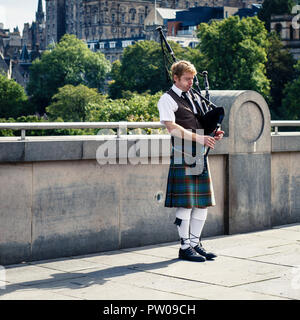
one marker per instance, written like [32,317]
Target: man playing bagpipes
[191,192]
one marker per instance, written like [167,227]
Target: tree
[280,71]
[270,7]
[142,68]
[234,51]
[136,107]
[72,103]
[13,99]
[69,62]
[291,100]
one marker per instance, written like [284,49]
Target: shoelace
[194,238]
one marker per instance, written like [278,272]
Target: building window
[113,17]
[132,14]
[126,43]
[141,19]
[123,18]
[112,44]
[101,45]
[291,33]
[278,28]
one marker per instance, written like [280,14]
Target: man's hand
[206,140]
[219,135]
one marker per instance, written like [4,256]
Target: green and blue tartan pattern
[188,191]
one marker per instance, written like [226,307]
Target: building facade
[34,35]
[109,26]
[288,29]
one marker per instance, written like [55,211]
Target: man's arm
[180,132]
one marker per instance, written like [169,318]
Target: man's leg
[198,218]
[183,225]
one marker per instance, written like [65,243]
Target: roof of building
[248,12]
[167,13]
[24,54]
[197,15]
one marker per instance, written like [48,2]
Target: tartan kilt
[188,191]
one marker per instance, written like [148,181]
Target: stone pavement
[261,265]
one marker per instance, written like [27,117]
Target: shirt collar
[177,90]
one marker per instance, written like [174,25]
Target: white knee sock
[183,223]
[197,222]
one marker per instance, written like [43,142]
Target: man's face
[185,82]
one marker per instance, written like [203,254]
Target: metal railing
[284,123]
[120,126]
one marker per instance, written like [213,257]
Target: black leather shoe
[190,254]
[202,252]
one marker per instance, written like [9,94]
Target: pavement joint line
[263,255]
[186,279]
[216,284]
[272,295]
[254,260]
[282,245]
[54,269]
[262,235]
[42,281]
[287,229]
[252,282]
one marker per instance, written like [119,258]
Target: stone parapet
[57,200]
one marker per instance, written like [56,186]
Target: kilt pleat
[187,191]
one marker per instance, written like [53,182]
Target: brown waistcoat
[184,115]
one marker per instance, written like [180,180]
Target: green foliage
[142,68]
[270,7]
[30,118]
[7,132]
[280,71]
[234,51]
[69,62]
[72,103]
[13,99]
[291,100]
[137,107]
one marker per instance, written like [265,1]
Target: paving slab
[288,255]
[281,233]
[287,286]
[32,293]
[99,289]
[30,275]
[67,265]
[225,271]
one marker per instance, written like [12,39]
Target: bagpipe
[211,116]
